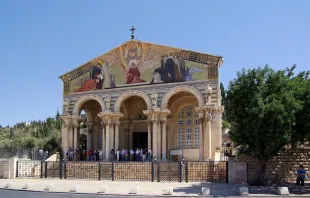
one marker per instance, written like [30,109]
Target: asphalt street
[26,194]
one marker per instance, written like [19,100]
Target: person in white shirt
[131,152]
[150,155]
[137,155]
[117,155]
[143,154]
[100,155]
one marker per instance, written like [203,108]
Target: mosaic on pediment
[139,63]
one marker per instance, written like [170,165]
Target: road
[26,194]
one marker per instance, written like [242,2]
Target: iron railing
[160,171]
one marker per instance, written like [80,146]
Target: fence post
[158,171]
[17,168]
[186,171]
[41,176]
[99,171]
[45,173]
[226,171]
[152,178]
[180,171]
[112,170]
[60,169]
[65,169]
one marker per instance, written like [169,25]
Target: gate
[208,171]
[133,171]
[169,171]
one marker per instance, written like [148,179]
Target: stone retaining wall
[282,167]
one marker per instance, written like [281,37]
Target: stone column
[65,134]
[76,120]
[164,140]
[107,144]
[159,149]
[117,135]
[64,139]
[207,136]
[112,139]
[149,137]
[201,136]
[70,136]
[154,149]
[103,140]
[90,126]
[75,136]
[163,118]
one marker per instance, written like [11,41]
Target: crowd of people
[118,155]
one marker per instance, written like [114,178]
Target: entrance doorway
[139,140]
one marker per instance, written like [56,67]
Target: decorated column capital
[116,118]
[152,115]
[106,117]
[201,112]
[163,115]
[76,120]
[66,120]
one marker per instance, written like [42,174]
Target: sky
[41,40]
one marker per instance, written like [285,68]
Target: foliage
[260,106]
[35,134]
[301,86]
[225,123]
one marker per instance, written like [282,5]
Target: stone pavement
[123,187]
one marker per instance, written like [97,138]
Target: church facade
[144,95]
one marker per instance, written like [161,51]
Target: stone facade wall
[161,89]
[282,167]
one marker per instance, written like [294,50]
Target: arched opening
[183,130]
[134,126]
[90,129]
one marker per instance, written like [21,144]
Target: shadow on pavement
[273,189]
[216,189]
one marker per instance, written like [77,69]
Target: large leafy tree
[301,86]
[260,107]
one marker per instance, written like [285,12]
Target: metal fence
[32,154]
[163,171]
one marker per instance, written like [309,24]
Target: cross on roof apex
[132,32]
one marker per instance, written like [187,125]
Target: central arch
[127,94]
[178,89]
[83,99]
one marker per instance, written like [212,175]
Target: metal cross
[132,32]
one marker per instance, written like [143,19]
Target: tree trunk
[262,166]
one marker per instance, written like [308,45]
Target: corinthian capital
[76,120]
[66,120]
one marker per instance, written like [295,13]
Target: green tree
[225,123]
[261,108]
[301,86]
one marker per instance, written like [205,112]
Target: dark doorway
[139,140]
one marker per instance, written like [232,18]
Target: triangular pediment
[136,63]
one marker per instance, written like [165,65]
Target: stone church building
[144,95]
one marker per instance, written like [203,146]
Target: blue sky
[40,40]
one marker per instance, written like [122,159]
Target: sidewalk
[123,187]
